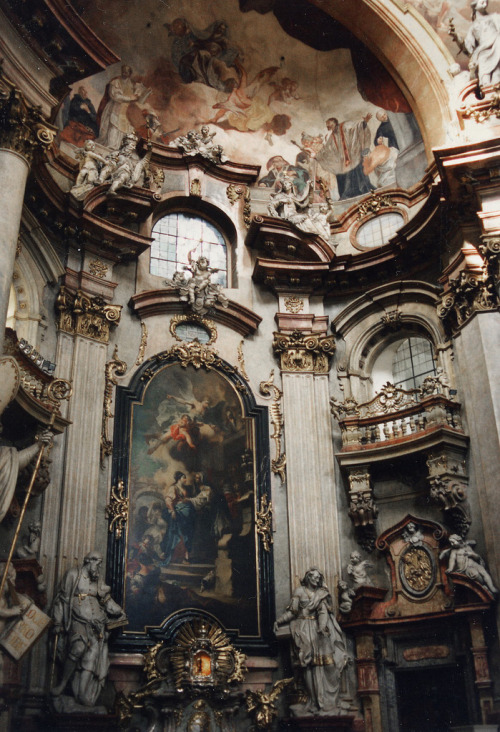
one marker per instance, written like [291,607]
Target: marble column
[310,476]
[22,131]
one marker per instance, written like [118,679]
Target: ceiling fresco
[290,90]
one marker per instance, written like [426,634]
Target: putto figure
[83,615]
[318,644]
[200,143]
[198,290]
[357,570]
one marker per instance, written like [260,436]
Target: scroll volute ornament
[22,127]
[300,352]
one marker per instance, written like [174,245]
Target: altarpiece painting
[193,462]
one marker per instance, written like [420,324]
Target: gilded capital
[301,352]
[23,128]
[82,315]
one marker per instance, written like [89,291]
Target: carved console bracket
[362,508]
[448,483]
[301,353]
[91,317]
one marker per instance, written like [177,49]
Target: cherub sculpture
[90,165]
[345,597]
[198,290]
[261,705]
[31,544]
[357,570]
[200,143]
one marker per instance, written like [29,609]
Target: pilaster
[304,350]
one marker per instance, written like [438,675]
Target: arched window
[412,362]
[404,362]
[177,234]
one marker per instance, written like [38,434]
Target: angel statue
[123,167]
[198,290]
[462,559]
[261,705]
[284,204]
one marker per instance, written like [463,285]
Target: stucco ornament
[319,645]
[462,559]
[286,204]
[198,291]
[200,143]
[83,615]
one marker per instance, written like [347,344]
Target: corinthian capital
[300,352]
[468,294]
[23,128]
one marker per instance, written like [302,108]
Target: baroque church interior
[292,211]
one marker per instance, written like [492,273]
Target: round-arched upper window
[378,231]
[178,234]
[412,362]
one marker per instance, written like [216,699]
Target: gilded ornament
[198,355]
[294,304]
[112,370]
[374,204]
[264,521]
[205,323]
[482,114]
[23,128]
[117,509]
[195,188]
[142,344]
[262,707]
[202,655]
[247,208]
[98,268]
[91,317]
[278,465]
[301,352]
[468,294]
[416,570]
[241,361]
[150,660]
[234,193]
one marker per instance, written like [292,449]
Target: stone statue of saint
[13,460]
[318,644]
[482,43]
[83,614]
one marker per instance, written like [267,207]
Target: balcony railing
[396,415]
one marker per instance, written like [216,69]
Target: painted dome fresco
[280,85]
